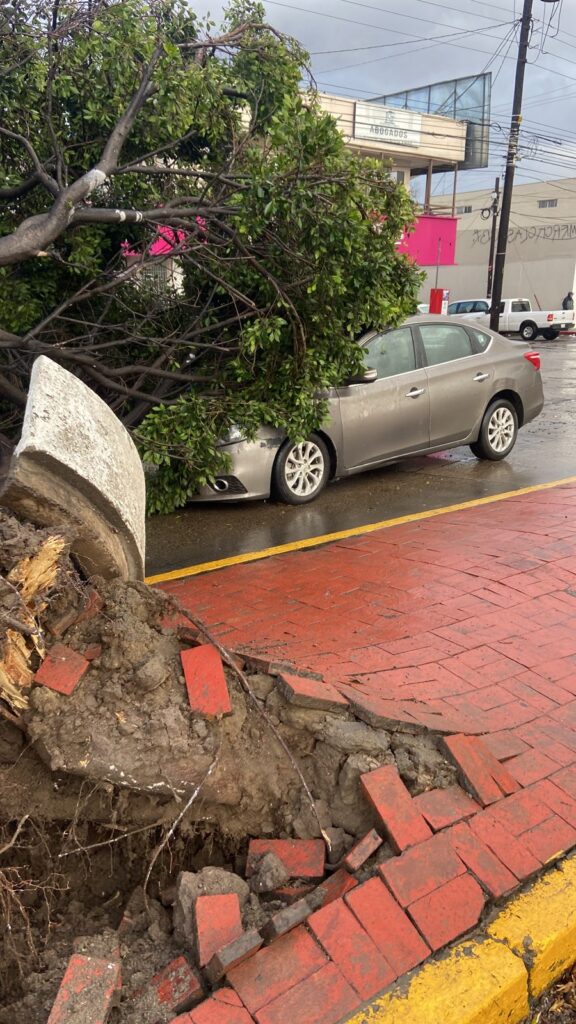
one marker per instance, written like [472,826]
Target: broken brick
[232,954]
[449,911]
[310,693]
[88,987]
[393,804]
[323,998]
[277,968]
[387,925]
[362,850]
[443,807]
[421,869]
[336,885]
[284,921]
[218,921]
[92,651]
[481,861]
[213,1011]
[174,989]
[93,605]
[62,669]
[351,949]
[303,858]
[205,681]
[289,894]
[483,773]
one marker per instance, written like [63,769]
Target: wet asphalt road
[545,451]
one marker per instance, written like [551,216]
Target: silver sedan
[434,383]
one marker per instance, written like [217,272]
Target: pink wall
[432,241]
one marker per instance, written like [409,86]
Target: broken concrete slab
[77,468]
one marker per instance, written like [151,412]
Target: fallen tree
[182,228]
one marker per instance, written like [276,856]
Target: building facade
[541,252]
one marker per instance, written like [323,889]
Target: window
[444,342]
[391,353]
[465,307]
[481,340]
[481,307]
[545,204]
[520,306]
[463,209]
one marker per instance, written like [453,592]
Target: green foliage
[291,267]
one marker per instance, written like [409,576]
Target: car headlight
[233,434]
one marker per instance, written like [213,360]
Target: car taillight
[550,316]
[534,358]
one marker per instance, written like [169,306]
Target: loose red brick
[283,921]
[449,911]
[277,968]
[88,988]
[550,839]
[362,850]
[511,851]
[213,1011]
[351,949]
[336,885]
[481,861]
[233,954]
[531,766]
[290,894]
[218,921]
[323,998]
[303,858]
[483,773]
[175,989]
[205,681]
[387,925]
[504,745]
[442,807]
[421,869]
[310,693]
[62,669]
[93,605]
[393,804]
[92,651]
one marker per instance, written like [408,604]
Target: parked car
[429,385]
[517,317]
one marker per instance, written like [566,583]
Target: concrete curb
[491,978]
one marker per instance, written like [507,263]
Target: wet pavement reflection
[545,451]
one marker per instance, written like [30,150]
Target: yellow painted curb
[540,926]
[478,983]
[354,531]
[489,980]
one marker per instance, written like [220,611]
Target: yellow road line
[354,531]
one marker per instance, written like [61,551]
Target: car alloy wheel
[301,471]
[501,429]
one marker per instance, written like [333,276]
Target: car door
[459,380]
[390,416]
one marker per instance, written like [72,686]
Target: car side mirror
[367,376]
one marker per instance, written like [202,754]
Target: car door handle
[415,392]
[480,377]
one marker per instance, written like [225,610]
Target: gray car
[434,383]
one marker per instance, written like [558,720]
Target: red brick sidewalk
[464,625]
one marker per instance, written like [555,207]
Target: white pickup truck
[517,317]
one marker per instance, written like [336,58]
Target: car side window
[465,307]
[444,342]
[521,306]
[480,307]
[391,353]
[481,340]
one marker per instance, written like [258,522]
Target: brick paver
[463,625]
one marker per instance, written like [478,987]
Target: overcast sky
[368,48]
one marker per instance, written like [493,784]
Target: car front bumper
[248,475]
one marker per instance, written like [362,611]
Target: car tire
[528,330]
[301,471]
[550,335]
[498,432]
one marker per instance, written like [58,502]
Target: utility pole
[493,212]
[525,27]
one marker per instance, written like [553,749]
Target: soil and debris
[92,784]
[558,1004]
